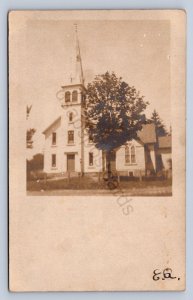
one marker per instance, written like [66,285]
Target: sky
[138,51]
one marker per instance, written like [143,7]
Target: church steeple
[77,76]
[79,70]
[73,92]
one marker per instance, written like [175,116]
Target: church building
[69,149]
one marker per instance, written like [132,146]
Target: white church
[69,149]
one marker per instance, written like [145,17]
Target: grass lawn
[89,183]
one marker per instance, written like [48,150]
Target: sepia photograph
[98,114]
[97,150]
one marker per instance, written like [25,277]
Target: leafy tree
[159,125]
[30,132]
[114,111]
[29,136]
[36,163]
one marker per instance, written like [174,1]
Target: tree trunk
[108,158]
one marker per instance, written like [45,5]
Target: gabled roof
[147,134]
[165,141]
[52,124]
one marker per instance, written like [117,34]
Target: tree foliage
[115,111]
[36,163]
[159,125]
[30,132]
[29,135]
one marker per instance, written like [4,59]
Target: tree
[36,163]
[35,167]
[29,136]
[114,112]
[159,126]
[30,132]
[160,131]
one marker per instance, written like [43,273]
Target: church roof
[147,135]
[56,122]
[165,141]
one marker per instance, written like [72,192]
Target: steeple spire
[79,71]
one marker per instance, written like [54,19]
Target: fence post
[118,177]
[140,175]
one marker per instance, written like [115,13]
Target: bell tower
[73,103]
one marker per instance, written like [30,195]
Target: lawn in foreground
[88,185]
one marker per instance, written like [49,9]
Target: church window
[67,97]
[90,159]
[127,155]
[130,155]
[74,96]
[53,138]
[70,117]
[53,160]
[133,158]
[70,137]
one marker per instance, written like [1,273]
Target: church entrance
[70,162]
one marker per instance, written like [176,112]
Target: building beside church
[68,148]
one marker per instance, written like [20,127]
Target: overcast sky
[138,51]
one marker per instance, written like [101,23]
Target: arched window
[74,96]
[67,97]
[127,155]
[133,158]
[130,155]
[70,117]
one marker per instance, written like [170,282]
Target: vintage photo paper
[97,150]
